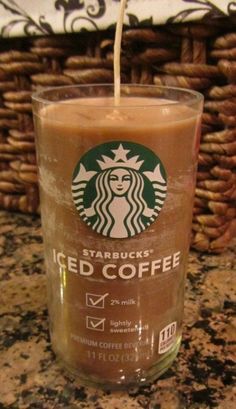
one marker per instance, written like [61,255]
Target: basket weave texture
[195,56]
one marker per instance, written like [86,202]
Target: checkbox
[96,300]
[94,323]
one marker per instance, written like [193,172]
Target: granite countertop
[30,377]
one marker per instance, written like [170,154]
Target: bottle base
[143,378]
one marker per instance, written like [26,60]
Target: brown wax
[117,338]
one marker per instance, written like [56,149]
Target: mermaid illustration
[119,209]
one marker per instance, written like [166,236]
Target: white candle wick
[117,51]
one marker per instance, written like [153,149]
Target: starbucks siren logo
[119,188]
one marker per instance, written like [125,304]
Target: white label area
[122,304]
[167,337]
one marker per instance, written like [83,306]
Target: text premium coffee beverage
[116,188]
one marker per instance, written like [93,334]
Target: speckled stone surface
[202,376]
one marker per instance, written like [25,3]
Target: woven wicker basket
[197,56]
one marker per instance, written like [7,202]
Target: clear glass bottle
[116,187]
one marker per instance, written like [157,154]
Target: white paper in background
[40,17]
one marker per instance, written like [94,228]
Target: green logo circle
[119,188]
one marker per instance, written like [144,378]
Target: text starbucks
[112,271]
